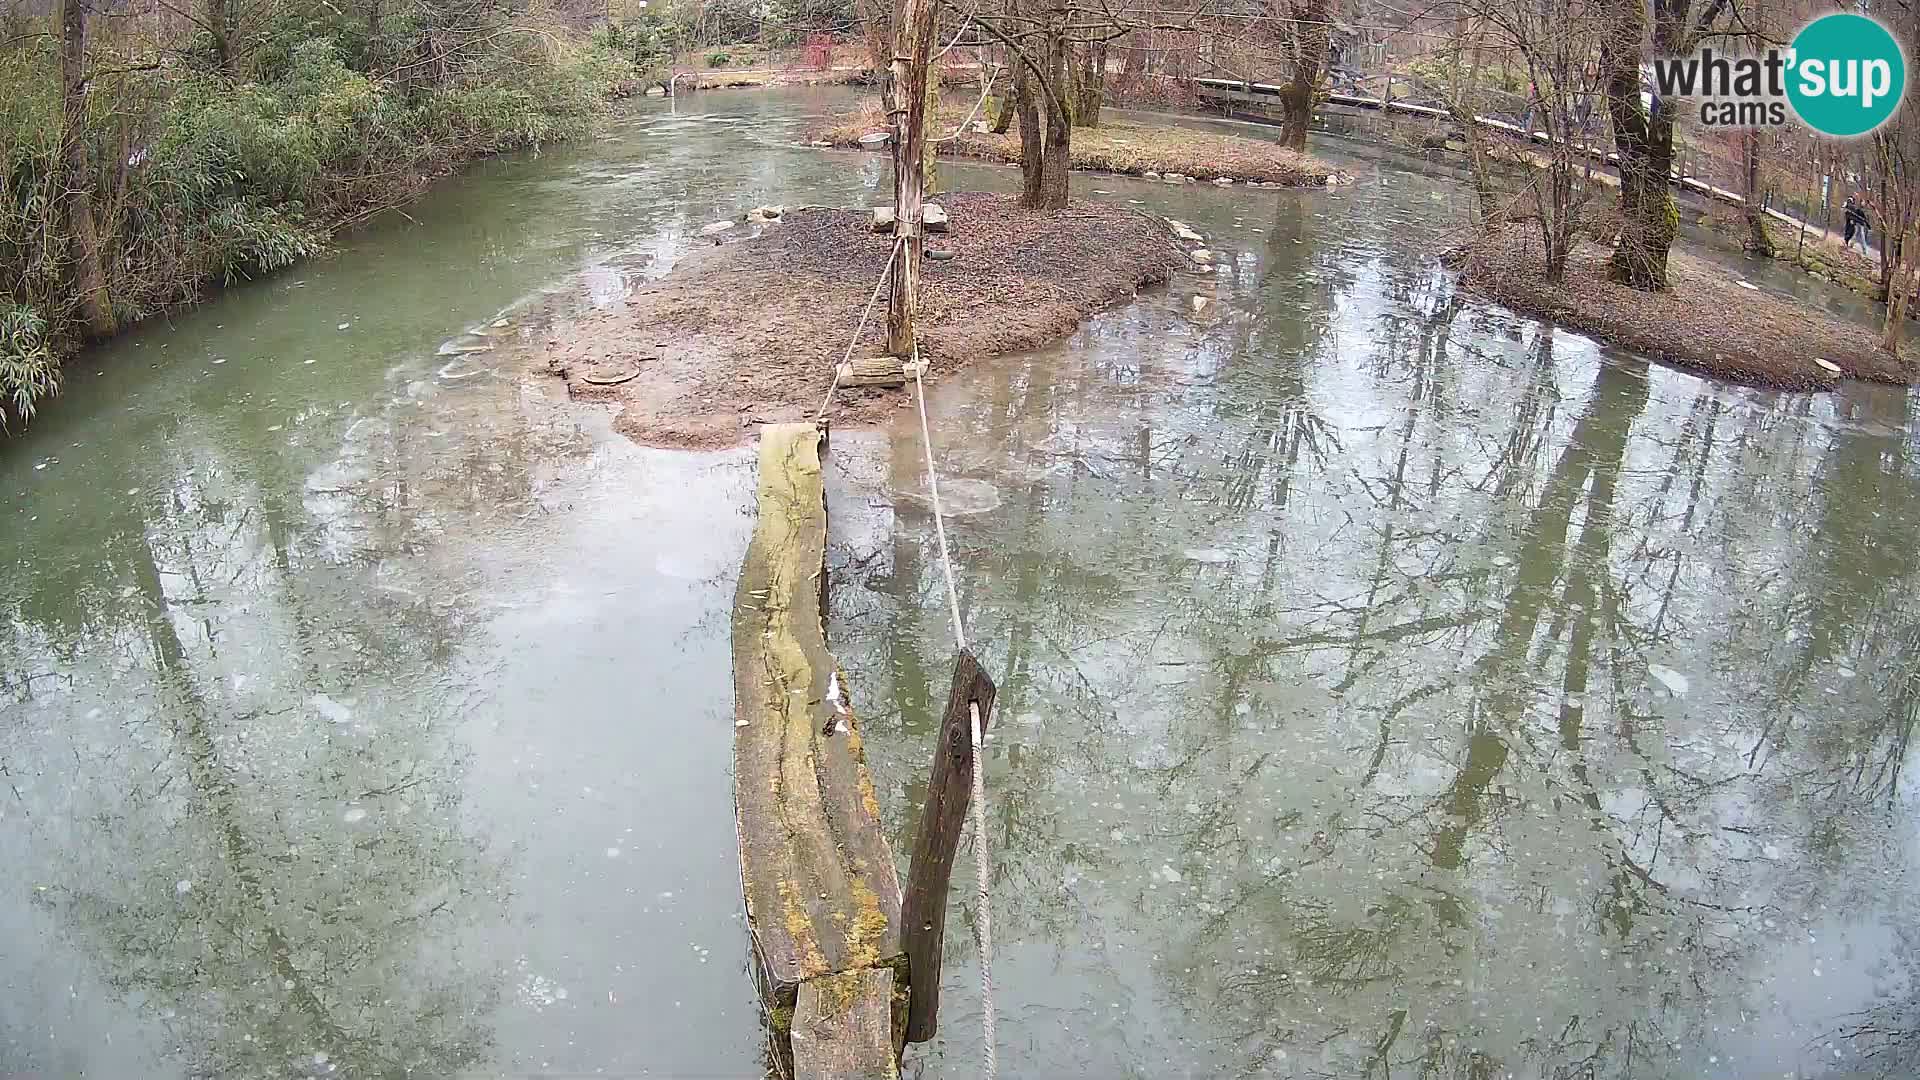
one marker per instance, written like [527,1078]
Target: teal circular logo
[1847,75]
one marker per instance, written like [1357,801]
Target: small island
[750,330]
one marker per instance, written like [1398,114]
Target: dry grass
[1116,146]
[1706,322]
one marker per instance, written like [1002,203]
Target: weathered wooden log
[873,371]
[843,1027]
[882,371]
[949,790]
[822,897]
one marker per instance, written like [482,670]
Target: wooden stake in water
[923,912]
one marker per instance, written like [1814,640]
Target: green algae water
[1390,686]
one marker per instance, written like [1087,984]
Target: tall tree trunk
[1049,187]
[1311,35]
[1005,109]
[220,28]
[1033,149]
[89,276]
[1648,218]
[1089,84]
[930,149]
[1009,107]
[913,50]
[1758,241]
[877,17]
[1899,287]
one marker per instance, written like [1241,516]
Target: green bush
[203,177]
[29,370]
[718,59]
[645,41]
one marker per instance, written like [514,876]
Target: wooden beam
[949,790]
[822,897]
[843,1027]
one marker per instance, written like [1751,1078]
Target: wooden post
[923,911]
[912,53]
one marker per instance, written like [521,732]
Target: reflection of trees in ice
[255,832]
[1514,702]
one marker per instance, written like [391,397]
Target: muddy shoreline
[748,330]
[1707,322]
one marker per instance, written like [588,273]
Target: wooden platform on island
[823,900]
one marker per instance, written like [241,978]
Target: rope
[989,1065]
[968,122]
[860,329]
[933,496]
[982,877]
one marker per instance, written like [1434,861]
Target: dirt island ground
[1706,322]
[1133,147]
[750,330]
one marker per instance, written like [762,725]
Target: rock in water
[1748,285]
[715,228]
[1223,181]
[1201,256]
[933,217]
[1181,230]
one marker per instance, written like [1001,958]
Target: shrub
[643,40]
[200,177]
[718,59]
[28,368]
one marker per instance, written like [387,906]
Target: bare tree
[1057,49]
[1553,40]
[1755,212]
[1643,136]
[1307,30]
[1896,153]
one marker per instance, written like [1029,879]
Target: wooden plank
[821,892]
[949,790]
[843,1027]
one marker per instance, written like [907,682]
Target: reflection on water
[363,712]
[1391,687]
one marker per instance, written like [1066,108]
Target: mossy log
[843,1027]
[822,897]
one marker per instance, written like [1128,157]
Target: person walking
[1857,225]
